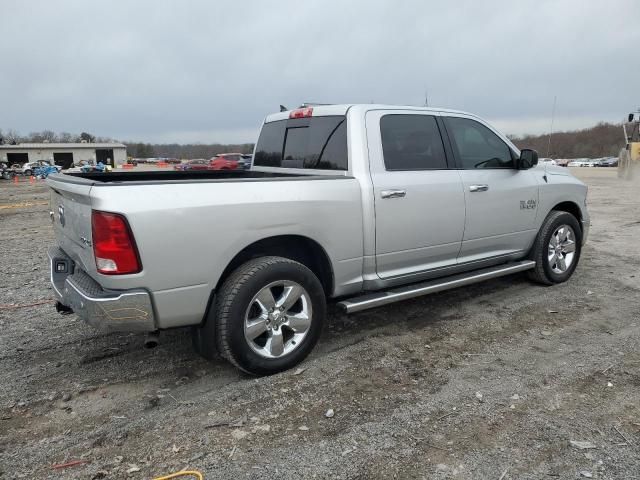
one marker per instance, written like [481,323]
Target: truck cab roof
[342,109]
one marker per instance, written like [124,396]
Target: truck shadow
[175,357]
[416,313]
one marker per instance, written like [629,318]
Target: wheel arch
[572,208]
[294,247]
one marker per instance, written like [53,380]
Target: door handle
[478,188]
[393,193]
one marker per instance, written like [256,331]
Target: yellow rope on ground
[183,473]
[21,205]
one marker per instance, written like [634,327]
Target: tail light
[301,112]
[113,244]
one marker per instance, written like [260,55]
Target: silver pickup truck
[362,205]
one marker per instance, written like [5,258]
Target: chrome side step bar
[378,299]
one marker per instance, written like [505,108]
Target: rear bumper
[111,310]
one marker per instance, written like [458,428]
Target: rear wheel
[268,315]
[557,248]
[28,172]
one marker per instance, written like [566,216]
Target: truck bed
[189,226]
[175,175]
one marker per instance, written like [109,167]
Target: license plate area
[61,267]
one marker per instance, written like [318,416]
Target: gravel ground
[491,381]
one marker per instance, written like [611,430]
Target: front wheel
[269,315]
[556,249]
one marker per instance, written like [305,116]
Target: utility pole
[553,114]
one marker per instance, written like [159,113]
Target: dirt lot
[486,382]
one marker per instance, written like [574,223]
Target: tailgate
[71,215]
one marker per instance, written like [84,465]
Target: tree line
[602,140]
[181,151]
[12,137]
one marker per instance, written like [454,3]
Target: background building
[64,154]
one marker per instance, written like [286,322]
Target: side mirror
[630,117]
[528,159]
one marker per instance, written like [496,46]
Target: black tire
[543,272]
[233,301]
[28,173]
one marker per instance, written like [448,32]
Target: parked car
[607,162]
[43,171]
[580,162]
[227,161]
[6,172]
[247,160]
[82,163]
[197,164]
[404,202]
[28,169]
[549,161]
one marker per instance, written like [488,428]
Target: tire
[280,302]
[549,270]
[27,173]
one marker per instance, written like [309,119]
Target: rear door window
[412,142]
[310,143]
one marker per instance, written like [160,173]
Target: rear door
[501,201]
[419,202]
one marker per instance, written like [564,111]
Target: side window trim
[452,159]
[448,155]
[454,148]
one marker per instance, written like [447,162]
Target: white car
[581,162]
[548,161]
[28,168]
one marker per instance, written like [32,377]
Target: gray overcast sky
[204,71]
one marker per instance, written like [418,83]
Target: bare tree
[12,137]
[66,137]
[605,139]
[49,136]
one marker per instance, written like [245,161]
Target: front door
[501,200]
[419,202]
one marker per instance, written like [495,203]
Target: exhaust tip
[63,309]
[152,340]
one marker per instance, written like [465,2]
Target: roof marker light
[301,113]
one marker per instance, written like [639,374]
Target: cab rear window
[311,143]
